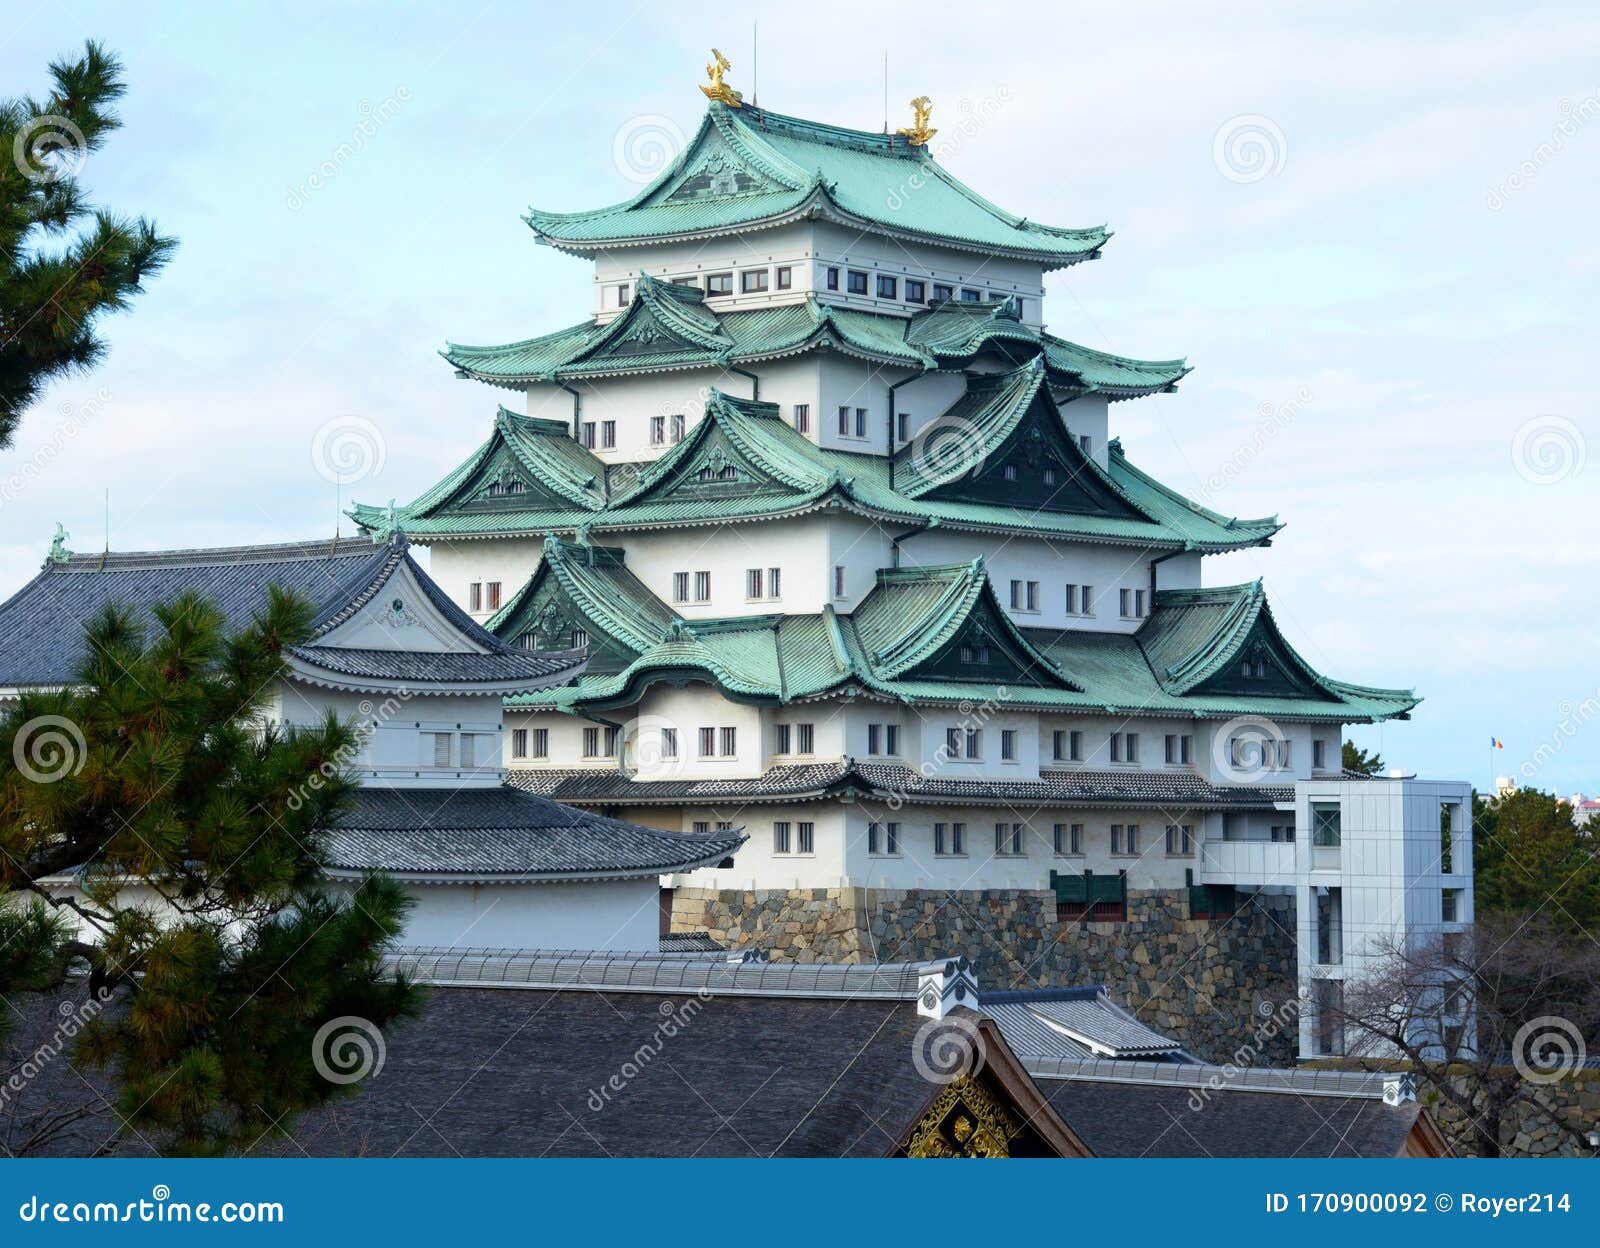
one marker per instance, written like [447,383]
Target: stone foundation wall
[1215,986]
[1526,1132]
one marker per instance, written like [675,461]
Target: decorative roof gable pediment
[944,624]
[736,450]
[714,170]
[1003,442]
[584,595]
[1224,641]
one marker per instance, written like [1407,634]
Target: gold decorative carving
[717,89]
[965,1120]
[919,131]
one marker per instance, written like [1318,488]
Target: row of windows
[908,290]
[883,741]
[760,280]
[463,749]
[1010,839]
[760,585]
[607,439]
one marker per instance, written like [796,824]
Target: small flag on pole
[1495,743]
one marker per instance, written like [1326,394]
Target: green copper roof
[668,326]
[1004,439]
[748,168]
[931,635]
[741,462]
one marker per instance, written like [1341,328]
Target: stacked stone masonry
[1217,986]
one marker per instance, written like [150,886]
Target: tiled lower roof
[817,780]
[501,833]
[419,666]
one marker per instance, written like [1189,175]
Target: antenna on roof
[108,520]
[886,90]
[755,63]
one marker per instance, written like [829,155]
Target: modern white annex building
[862,569]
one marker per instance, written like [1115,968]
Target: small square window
[942,293]
[753,281]
[915,291]
[719,284]
[833,279]
[888,287]
[857,282]
[785,277]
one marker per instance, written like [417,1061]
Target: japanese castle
[862,569]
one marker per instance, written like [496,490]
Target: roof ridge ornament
[58,545]
[717,88]
[919,131]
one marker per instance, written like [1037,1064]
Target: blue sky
[1391,315]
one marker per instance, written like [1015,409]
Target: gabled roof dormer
[740,449]
[1224,641]
[944,623]
[582,593]
[1004,442]
[529,466]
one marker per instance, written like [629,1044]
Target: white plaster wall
[689,709]
[755,864]
[396,752]
[454,565]
[804,548]
[606,914]
[1053,563]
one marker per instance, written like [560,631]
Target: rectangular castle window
[915,290]
[702,587]
[857,282]
[719,284]
[808,837]
[753,281]
[622,295]
[942,293]
[608,434]
[888,287]
[669,743]
[658,431]
[785,277]
[1008,745]
[780,838]
[475,596]
[519,743]
[1008,840]
[493,594]
[802,417]
[833,279]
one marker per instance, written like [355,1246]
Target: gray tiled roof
[815,780]
[1204,1111]
[502,832]
[1074,1024]
[42,625]
[424,666]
